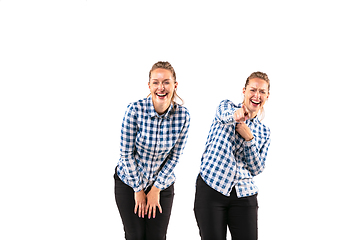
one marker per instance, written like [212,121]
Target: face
[255,95]
[162,86]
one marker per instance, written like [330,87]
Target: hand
[244,131]
[153,201]
[140,203]
[241,114]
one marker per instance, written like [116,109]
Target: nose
[257,94]
[161,86]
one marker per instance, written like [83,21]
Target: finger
[139,210]
[154,211]
[148,210]
[245,111]
[151,209]
[136,206]
[238,115]
[142,211]
[160,209]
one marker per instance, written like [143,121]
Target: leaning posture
[235,152]
[153,136]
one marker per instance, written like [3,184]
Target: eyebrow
[259,88]
[168,79]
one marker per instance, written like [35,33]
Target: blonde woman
[235,152]
[153,136]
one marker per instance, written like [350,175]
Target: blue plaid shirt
[230,161]
[150,145]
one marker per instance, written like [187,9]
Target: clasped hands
[146,204]
[240,116]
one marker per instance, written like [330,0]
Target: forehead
[161,74]
[258,83]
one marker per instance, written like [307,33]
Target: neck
[253,115]
[161,108]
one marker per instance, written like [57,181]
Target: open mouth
[255,102]
[161,95]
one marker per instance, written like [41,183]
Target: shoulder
[136,109]
[229,103]
[137,105]
[181,114]
[179,109]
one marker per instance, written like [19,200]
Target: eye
[252,90]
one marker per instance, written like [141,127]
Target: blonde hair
[166,66]
[260,75]
[264,77]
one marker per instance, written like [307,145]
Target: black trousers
[214,212]
[142,228]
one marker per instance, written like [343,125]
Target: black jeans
[214,212]
[142,228]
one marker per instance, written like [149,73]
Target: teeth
[255,101]
[161,95]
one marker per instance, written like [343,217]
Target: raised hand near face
[241,115]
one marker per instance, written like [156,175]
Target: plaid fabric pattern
[228,160]
[150,145]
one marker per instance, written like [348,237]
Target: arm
[255,157]
[174,156]
[225,112]
[127,148]
[153,197]
[228,113]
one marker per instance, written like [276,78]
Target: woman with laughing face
[235,152]
[153,136]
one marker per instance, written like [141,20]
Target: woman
[235,151]
[153,136]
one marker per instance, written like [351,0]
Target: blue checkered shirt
[230,161]
[150,145]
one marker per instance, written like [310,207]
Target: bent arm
[225,112]
[255,157]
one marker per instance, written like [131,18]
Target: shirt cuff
[249,143]
[163,186]
[139,188]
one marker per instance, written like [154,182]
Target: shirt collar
[151,110]
[255,119]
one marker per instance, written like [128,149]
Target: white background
[68,69]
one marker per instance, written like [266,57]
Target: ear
[244,90]
[149,84]
[176,84]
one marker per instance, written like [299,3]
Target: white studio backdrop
[68,69]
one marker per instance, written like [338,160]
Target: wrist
[155,189]
[140,192]
[249,139]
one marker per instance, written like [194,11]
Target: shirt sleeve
[161,181]
[254,156]
[127,149]
[225,112]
